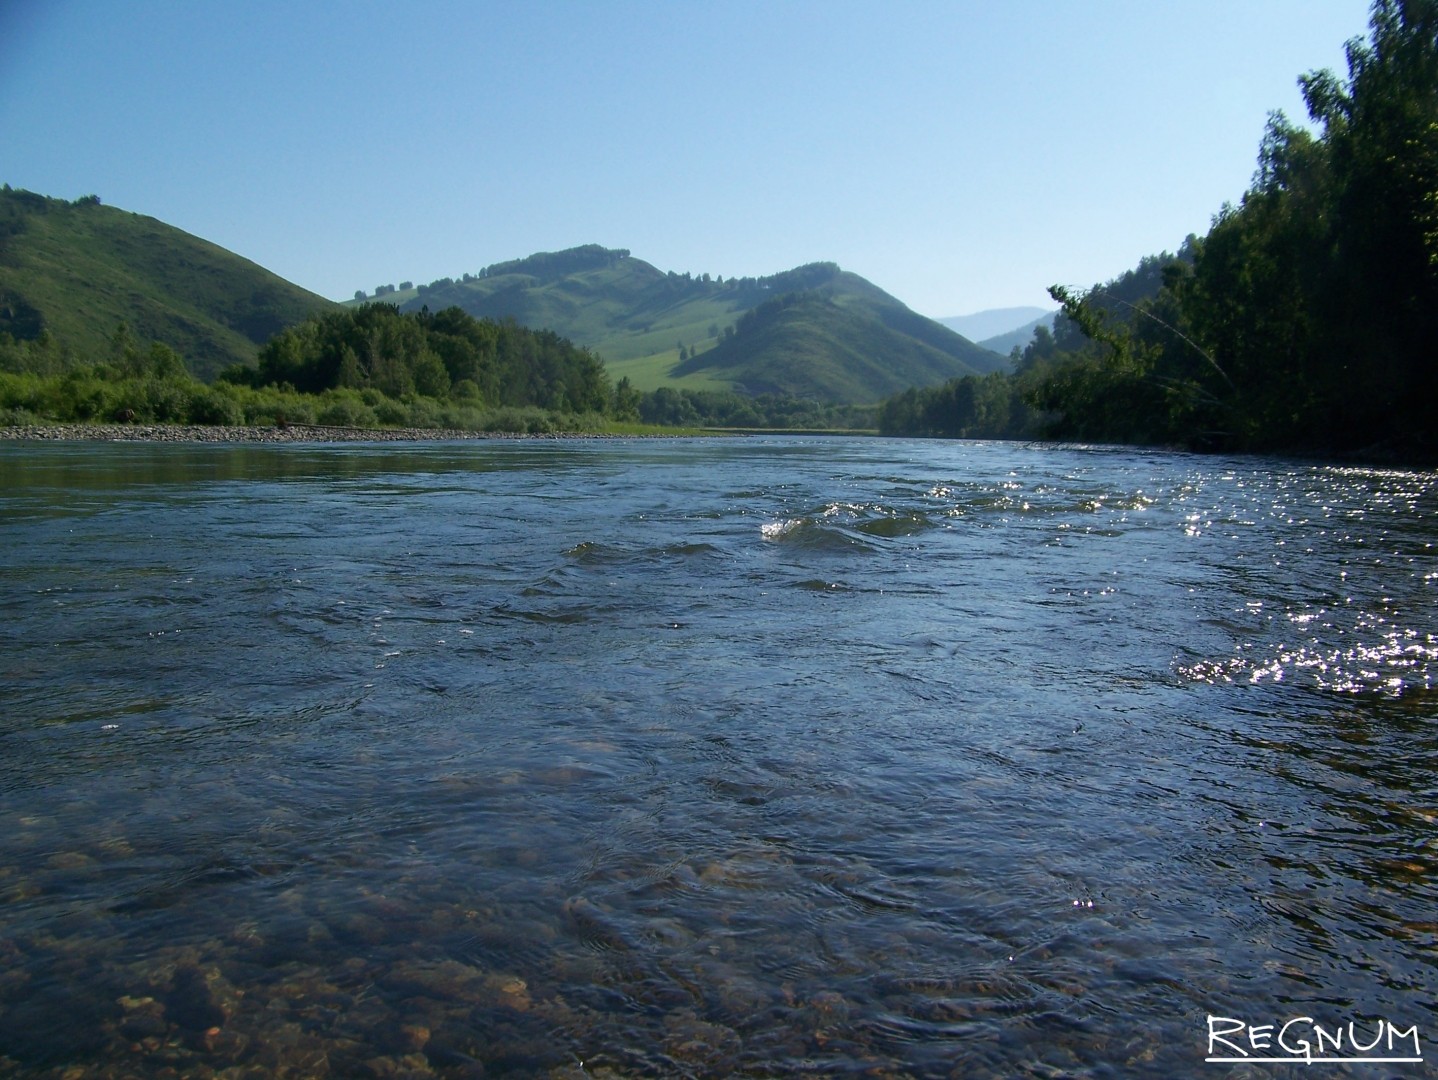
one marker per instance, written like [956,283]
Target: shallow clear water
[763,757]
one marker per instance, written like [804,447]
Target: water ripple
[910,759]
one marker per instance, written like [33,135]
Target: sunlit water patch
[767,757]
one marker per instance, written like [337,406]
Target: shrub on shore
[90,396]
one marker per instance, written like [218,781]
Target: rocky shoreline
[292,433]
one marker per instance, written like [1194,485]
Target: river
[760,757]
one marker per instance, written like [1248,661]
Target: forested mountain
[1306,320]
[847,341]
[71,272]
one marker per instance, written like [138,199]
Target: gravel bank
[294,433]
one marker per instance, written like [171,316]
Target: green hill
[813,345]
[665,329]
[78,269]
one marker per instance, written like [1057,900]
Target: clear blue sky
[962,155]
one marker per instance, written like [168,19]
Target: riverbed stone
[199,999]
[144,1017]
[439,979]
[700,1046]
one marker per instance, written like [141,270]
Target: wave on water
[847,527]
[593,555]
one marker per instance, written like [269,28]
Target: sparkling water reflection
[761,757]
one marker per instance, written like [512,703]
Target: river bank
[293,433]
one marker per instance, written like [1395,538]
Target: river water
[759,757]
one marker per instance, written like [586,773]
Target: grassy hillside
[632,314]
[809,345]
[78,269]
[650,326]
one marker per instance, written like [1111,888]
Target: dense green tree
[1319,292]
[723,409]
[1305,320]
[125,351]
[626,400]
[376,347]
[163,362]
[971,407]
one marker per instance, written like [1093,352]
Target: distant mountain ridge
[76,270]
[1004,344]
[838,338]
[1000,330]
[992,322]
